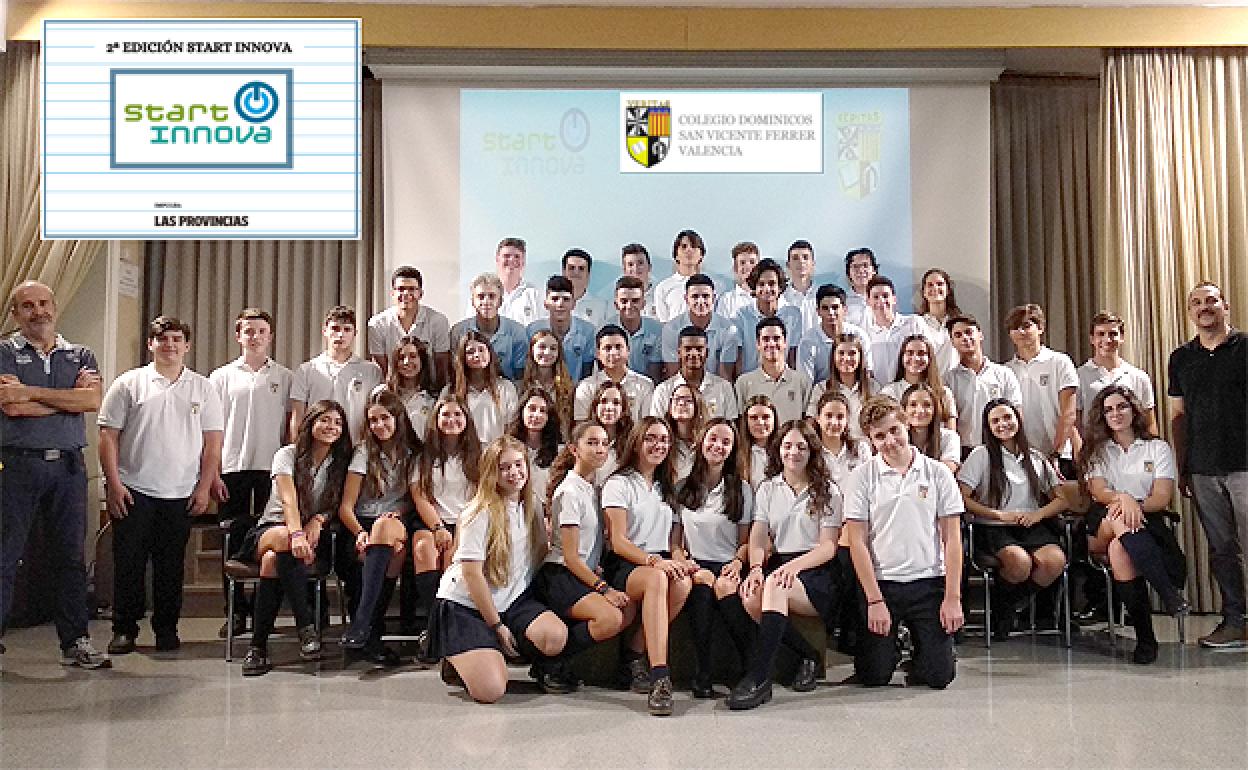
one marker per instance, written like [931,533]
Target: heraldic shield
[648,132]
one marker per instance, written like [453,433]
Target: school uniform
[856,310]
[814,351]
[1093,378]
[795,532]
[758,464]
[716,392]
[790,392]
[592,309]
[747,320]
[895,390]
[885,343]
[274,514]
[161,423]
[711,539]
[645,346]
[608,467]
[418,404]
[1041,381]
[1132,470]
[723,343]
[934,329]
[973,390]
[491,411]
[574,504]
[805,303]
[901,510]
[578,345]
[649,521]
[992,536]
[386,331]
[841,463]
[853,395]
[396,497]
[457,625]
[523,304]
[348,383]
[510,342]
[451,491]
[637,387]
[683,455]
[669,297]
[731,301]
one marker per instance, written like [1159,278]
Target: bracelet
[758,567]
[602,587]
[297,533]
[653,559]
[875,602]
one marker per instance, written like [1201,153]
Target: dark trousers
[249,494]
[155,529]
[55,493]
[917,604]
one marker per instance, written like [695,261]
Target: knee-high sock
[377,626]
[701,608]
[770,634]
[426,591]
[741,627]
[794,640]
[579,639]
[1146,555]
[373,578]
[268,601]
[1008,597]
[294,579]
[1134,594]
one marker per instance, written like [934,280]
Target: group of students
[813,455]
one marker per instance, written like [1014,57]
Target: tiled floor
[1030,703]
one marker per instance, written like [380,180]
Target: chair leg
[316,601]
[1065,599]
[229,621]
[987,610]
[1111,607]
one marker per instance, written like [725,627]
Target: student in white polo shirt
[976,380]
[768,282]
[635,263]
[916,364]
[577,266]
[509,339]
[645,333]
[903,514]
[160,451]
[338,374]
[575,334]
[475,381]
[612,355]
[1106,367]
[787,388]
[886,329]
[758,430]
[722,341]
[814,351]
[408,318]
[936,303]
[688,251]
[745,256]
[521,301]
[860,267]
[1047,381]
[716,392]
[255,391]
[802,290]
[410,377]
[850,377]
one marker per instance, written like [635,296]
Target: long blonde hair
[488,501]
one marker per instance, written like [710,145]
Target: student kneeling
[484,610]
[902,512]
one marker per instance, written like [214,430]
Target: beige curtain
[207,283]
[1173,210]
[62,265]
[1044,154]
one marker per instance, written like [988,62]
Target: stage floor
[1028,703]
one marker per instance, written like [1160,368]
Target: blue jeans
[1222,502]
[55,492]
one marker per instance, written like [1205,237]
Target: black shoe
[309,643]
[749,694]
[1093,613]
[807,675]
[1003,626]
[548,678]
[383,656]
[568,674]
[1145,652]
[450,676]
[635,675]
[1178,607]
[423,645]
[660,700]
[167,641]
[703,687]
[240,626]
[352,640]
[121,644]
[257,662]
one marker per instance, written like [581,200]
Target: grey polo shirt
[58,369]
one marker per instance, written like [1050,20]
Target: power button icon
[256,101]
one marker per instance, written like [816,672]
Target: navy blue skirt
[455,628]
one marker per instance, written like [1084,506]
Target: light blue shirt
[510,343]
[645,346]
[722,342]
[747,325]
[815,349]
[578,345]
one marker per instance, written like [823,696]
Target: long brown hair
[424,381]
[552,433]
[399,452]
[1097,430]
[931,446]
[998,484]
[339,458]
[562,380]
[565,461]
[487,500]
[862,375]
[435,453]
[624,425]
[931,376]
[631,455]
[821,482]
[847,437]
[951,301]
[758,399]
[697,422]
[460,371]
[693,492]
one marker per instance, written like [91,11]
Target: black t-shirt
[1214,387]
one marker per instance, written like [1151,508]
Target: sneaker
[121,644]
[660,700]
[84,655]
[1225,637]
[257,662]
[167,641]
[309,643]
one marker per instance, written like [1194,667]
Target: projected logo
[189,119]
[858,140]
[648,131]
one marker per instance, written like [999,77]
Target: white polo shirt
[649,518]
[397,495]
[592,309]
[895,390]
[488,415]
[973,390]
[1041,380]
[575,504]
[385,331]
[682,459]
[254,404]
[731,302]
[901,510]
[1019,496]
[856,310]
[805,303]
[349,384]
[716,392]
[936,333]
[844,461]
[709,535]
[1093,378]
[1134,470]
[790,392]
[788,517]
[451,490]
[419,405]
[669,297]
[852,394]
[758,464]
[637,387]
[472,537]
[814,351]
[608,468]
[523,304]
[885,343]
[284,465]
[162,427]
[950,446]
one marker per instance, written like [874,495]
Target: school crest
[792,395]
[357,385]
[195,407]
[1148,466]
[648,131]
[1044,380]
[273,386]
[994,391]
[858,142]
[923,491]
